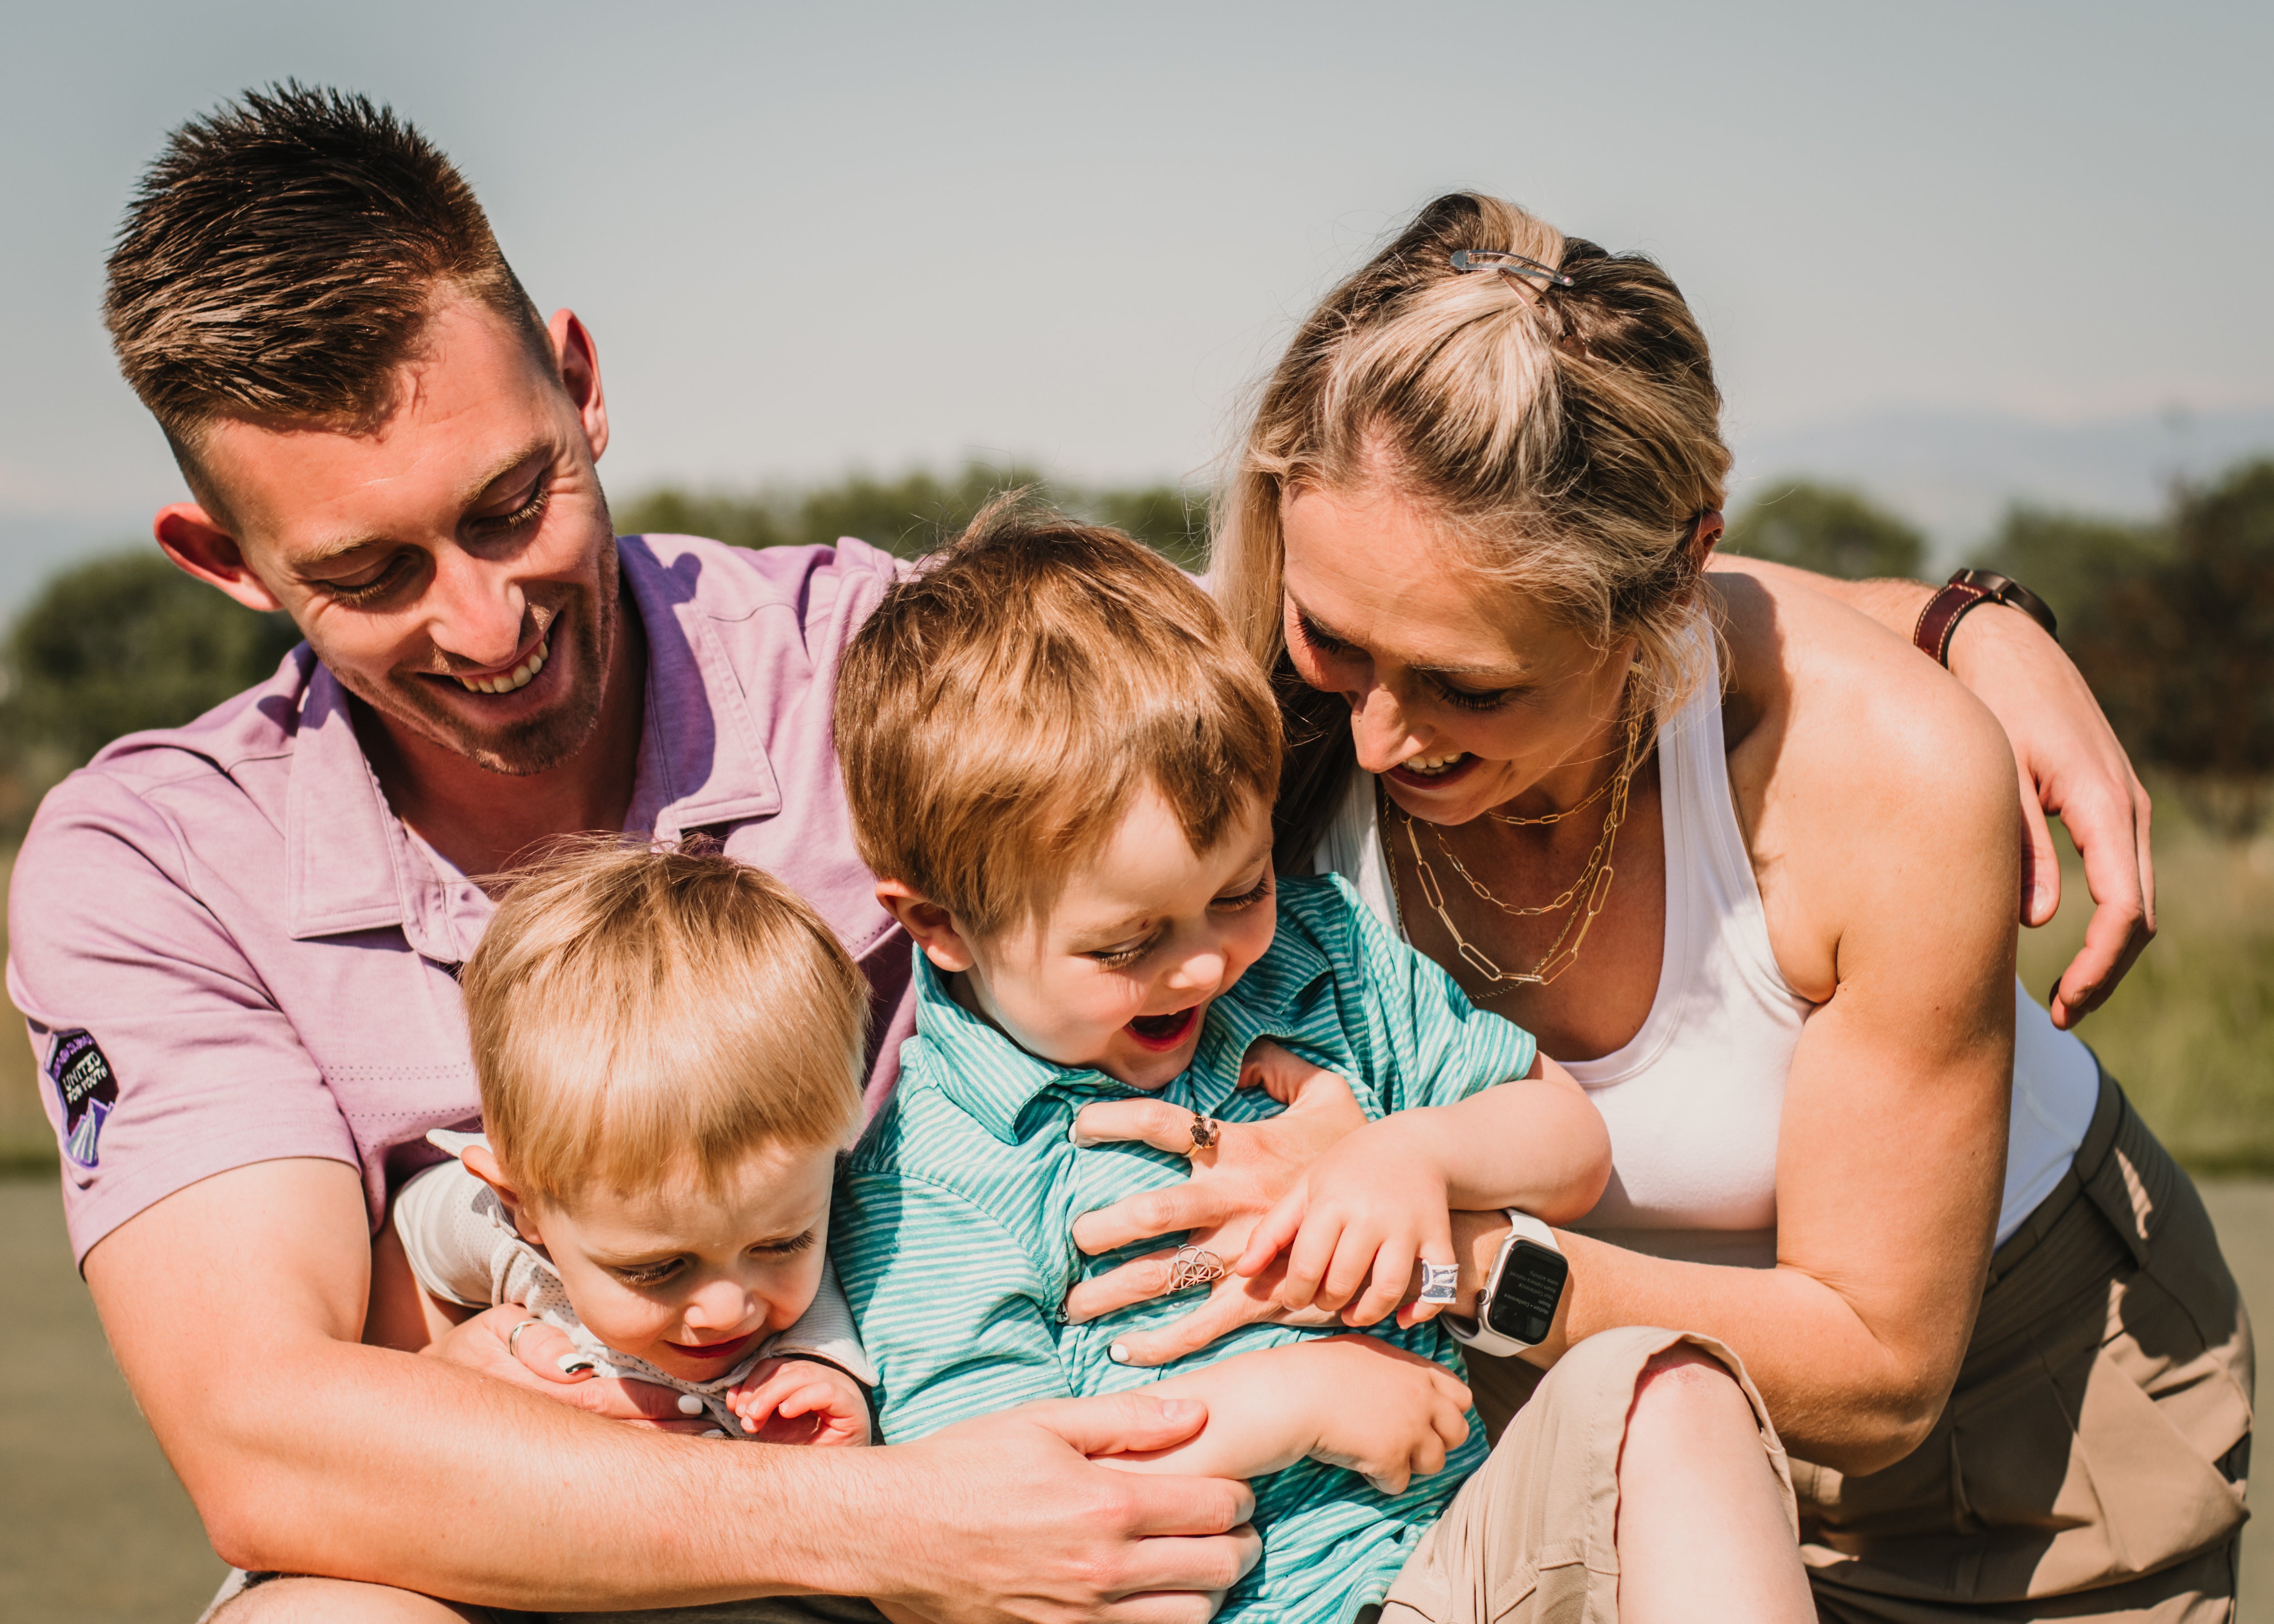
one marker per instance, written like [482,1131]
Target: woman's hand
[1252,1166]
[801,1402]
[543,1360]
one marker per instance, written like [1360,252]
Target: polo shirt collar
[993,1080]
[351,866]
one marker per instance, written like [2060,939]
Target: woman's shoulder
[1851,756]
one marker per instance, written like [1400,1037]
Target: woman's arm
[2070,764]
[1873,793]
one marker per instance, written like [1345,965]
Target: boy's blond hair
[639,1012]
[999,713]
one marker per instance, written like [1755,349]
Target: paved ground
[94,1530]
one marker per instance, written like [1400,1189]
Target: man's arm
[235,1306]
[2071,766]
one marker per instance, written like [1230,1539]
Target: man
[236,942]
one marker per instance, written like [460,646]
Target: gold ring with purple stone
[1195,1266]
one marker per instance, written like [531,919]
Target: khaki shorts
[2090,1463]
[1530,1535]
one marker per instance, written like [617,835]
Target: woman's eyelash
[1462,700]
[1318,639]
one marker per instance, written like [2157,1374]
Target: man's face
[454,566]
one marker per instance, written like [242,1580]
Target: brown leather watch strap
[1941,616]
[1967,588]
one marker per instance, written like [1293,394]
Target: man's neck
[484,822]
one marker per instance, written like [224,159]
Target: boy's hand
[1351,1401]
[1385,1414]
[801,1402]
[1356,1223]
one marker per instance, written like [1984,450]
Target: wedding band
[1195,1266]
[1206,1131]
[512,1337]
[1440,1283]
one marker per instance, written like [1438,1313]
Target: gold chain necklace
[1595,876]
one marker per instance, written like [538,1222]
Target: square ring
[1440,1283]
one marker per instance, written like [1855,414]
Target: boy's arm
[1351,1401]
[1382,1199]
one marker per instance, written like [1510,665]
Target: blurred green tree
[112,646]
[913,512]
[1827,527]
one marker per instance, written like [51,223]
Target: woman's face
[1463,697]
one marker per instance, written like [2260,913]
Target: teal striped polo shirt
[953,1227]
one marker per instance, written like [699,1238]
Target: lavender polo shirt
[230,950]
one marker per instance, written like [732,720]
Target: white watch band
[1477,1332]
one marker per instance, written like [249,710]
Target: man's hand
[2071,766]
[1253,1165]
[801,1402]
[1005,1520]
[544,1361]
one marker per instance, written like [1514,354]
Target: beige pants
[2090,1463]
[1530,1535]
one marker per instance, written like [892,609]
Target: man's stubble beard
[545,740]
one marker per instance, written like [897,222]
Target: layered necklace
[1595,881]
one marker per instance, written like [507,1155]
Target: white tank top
[1694,1101]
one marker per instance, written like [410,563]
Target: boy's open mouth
[1164,1032]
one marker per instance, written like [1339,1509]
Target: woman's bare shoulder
[1853,758]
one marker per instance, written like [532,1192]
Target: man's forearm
[307,1452]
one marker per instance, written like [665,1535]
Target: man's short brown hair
[639,1013]
[281,259]
[999,711]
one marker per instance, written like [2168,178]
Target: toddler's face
[1121,973]
[689,1280]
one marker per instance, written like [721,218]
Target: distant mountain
[1954,473]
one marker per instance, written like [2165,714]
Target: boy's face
[1120,974]
[689,1280]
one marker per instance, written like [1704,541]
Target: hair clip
[1512,264]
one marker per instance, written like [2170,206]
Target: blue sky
[883,235]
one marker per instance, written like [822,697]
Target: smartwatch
[1517,1306]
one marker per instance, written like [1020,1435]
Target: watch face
[1523,1305]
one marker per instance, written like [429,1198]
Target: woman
[1746,863]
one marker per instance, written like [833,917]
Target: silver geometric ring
[1440,1283]
[1195,1266]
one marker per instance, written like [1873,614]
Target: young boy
[1061,765]
[669,1051]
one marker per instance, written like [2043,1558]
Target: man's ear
[933,926]
[482,1163]
[200,548]
[580,374]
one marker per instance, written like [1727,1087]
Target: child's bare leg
[1702,1531]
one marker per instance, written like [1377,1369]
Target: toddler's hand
[801,1402]
[1387,1414]
[1355,1224]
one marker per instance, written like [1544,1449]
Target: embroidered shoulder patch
[88,1089]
